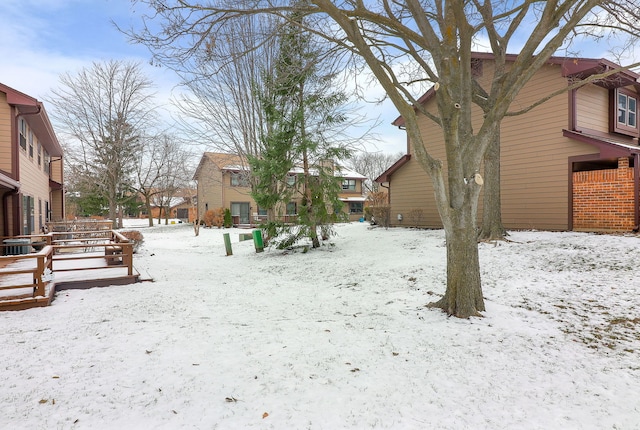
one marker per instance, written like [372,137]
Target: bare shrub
[416,216]
[134,237]
[380,210]
[214,217]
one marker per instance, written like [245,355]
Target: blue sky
[42,39]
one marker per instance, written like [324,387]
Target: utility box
[16,246]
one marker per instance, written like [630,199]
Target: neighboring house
[180,207]
[570,164]
[223,183]
[31,165]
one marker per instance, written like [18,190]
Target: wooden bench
[113,250]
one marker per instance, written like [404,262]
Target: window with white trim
[23,134]
[625,115]
[349,185]
[239,179]
[30,144]
[356,207]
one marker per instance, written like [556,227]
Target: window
[239,179]
[40,223]
[23,134]
[292,208]
[349,185]
[626,112]
[30,144]
[39,154]
[262,211]
[291,180]
[355,207]
[28,210]
[240,211]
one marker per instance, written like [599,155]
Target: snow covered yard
[336,338]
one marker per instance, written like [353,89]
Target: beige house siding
[27,181]
[209,187]
[215,190]
[34,183]
[56,170]
[534,159]
[590,102]
[5,134]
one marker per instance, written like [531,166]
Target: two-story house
[223,183]
[571,163]
[31,165]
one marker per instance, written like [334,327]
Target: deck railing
[63,252]
[98,245]
[43,260]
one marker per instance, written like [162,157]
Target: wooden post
[227,244]
[127,256]
[37,278]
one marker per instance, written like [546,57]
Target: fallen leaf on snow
[265,415]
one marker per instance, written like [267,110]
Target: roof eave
[386,175]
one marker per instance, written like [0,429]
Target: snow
[335,338]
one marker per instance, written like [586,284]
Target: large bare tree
[104,110]
[372,165]
[221,110]
[161,168]
[404,42]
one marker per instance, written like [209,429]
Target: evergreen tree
[300,111]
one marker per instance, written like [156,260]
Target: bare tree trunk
[113,214]
[147,203]
[492,228]
[313,231]
[463,297]
[120,213]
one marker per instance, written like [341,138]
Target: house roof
[221,160]
[36,116]
[571,67]
[384,177]
[353,199]
[609,146]
[235,163]
[6,181]
[348,174]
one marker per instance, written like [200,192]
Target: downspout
[388,191]
[572,96]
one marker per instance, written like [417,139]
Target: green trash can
[257,240]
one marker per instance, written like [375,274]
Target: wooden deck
[70,260]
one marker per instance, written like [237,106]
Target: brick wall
[603,199]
